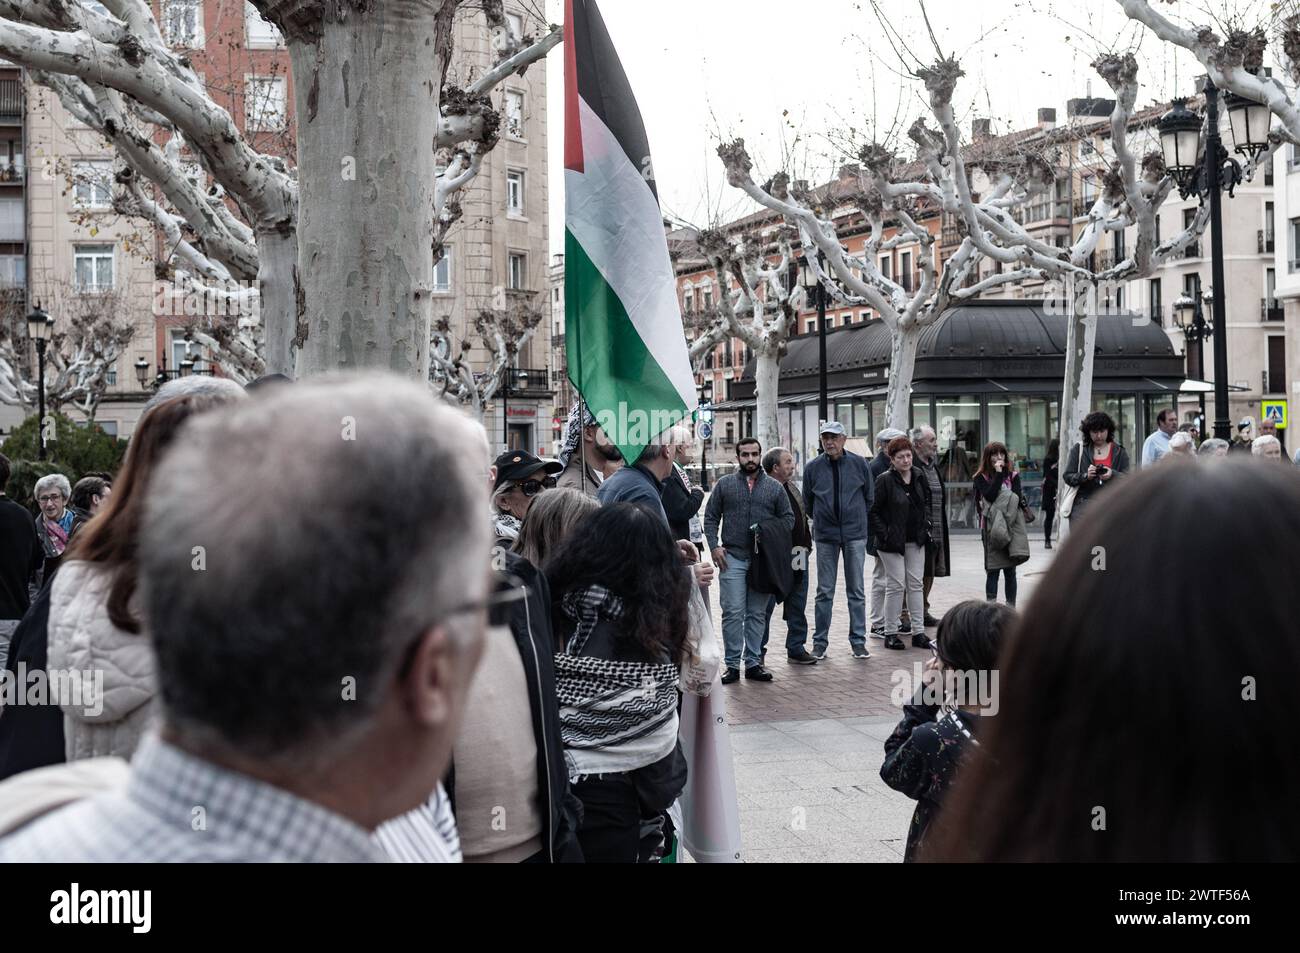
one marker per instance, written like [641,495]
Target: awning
[1192,386]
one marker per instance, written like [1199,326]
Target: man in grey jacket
[738,502]
[837,492]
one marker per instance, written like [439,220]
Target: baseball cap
[520,464]
[832,426]
[1243,423]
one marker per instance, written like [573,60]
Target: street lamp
[1249,122]
[39,327]
[706,398]
[1204,172]
[818,293]
[142,372]
[186,366]
[1190,319]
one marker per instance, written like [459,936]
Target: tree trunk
[902,365]
[767,373]
[367,82]
[1080,350]
[278,290]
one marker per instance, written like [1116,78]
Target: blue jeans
[743,614]
[795,614]
[828,557]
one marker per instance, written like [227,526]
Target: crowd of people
[498,677]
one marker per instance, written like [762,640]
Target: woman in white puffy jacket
[95,628]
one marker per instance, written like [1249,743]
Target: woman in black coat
[899,520]
[1051,475]
[1096,471]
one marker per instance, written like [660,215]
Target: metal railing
[1270,310]
[1264,239]
[11,100]
[530,380]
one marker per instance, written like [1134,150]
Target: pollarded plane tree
[502,332]
[979,187]
[339,246]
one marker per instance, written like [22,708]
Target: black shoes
[894,642]
[930,621]
[732,675]
[801,658]
[904,626]
[758,674]
[1047,544]
[921,641]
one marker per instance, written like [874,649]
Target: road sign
[705,430]
[1276,411]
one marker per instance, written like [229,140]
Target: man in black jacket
[778,463]
[879,578]
[682,501]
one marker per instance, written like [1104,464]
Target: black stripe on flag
[603,85]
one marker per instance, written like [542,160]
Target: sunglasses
[533,487]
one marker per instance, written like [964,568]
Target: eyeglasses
[515,589]
[56,498]
[533,487]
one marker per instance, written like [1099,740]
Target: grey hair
[772,459]
[56,480]
[916,433]
[1259,443]
[550,519]
[674,435]
[1211,445]
[1180,439]
[291,576]
[195,384]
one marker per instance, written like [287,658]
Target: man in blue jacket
[837,492]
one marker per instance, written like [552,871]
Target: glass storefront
[1124,411]
[1026,425]
[921,412]
[960,442]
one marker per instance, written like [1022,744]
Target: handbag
[1066,493]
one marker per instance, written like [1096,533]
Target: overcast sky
[774,70]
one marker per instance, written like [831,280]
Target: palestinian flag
[623,326]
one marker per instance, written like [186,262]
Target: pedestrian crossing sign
[1275,410]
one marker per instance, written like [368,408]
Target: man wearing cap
[517,477]
[880,578]
[837,493]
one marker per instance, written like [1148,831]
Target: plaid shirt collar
[261,821]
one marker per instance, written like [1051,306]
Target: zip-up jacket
[837,494]
[733,505]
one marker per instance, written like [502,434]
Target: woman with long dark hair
[620,596]
[1139,729]
[1093,464]
[1001,555]
[1051,477]
[94,620]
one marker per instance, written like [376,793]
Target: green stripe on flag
[609,362]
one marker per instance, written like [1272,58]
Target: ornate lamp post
[142,372]
[39,328]
[817,293]
[706,398]
[1190,319]
[1205,172]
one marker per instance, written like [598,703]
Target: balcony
[949,237]
[528,382]
[1264,240]
[1270,309]
[1083,205]
[1191,251]
[11,102]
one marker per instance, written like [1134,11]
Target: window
[515,191]
[1293,159]
[708,299]
[93,265]
[905,270]
[1157,229]
[111,379]
[92,184]
[688,302]
[183,23]
[1292,263]
[516,23]
[262,35]
[442,273]
[180,351]
[886,269]
[264,104]
[1120,254]
[11,220]
[514,114]
[1155,306]
[864,316]
[1276,374]
[13,271]
[517,271]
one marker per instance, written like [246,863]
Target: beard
[749,467]
[609,452]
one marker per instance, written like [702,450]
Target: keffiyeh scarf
[505,525]
[580,417]
[614,716]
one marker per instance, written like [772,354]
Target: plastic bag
[704,658]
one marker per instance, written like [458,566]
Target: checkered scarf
[614,716]
[580,417]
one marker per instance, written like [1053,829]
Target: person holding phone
[995,474]
[1094,463]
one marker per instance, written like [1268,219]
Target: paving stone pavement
[808,745]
